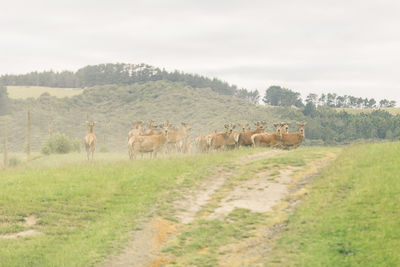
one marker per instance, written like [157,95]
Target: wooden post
[28,132]
[105,132]
[70,125]
[51,129]
[5,148]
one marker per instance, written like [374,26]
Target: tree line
[278,96]
[333,127]
[119,73]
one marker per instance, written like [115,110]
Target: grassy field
[84,210]
[352,215]
[348,216]
[24,92]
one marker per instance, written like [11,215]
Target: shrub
[13,162]
[60,144]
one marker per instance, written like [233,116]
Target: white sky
[347,47]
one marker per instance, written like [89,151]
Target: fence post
[5,149]
[28,132]
[51,127]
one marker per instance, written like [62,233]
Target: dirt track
[261,194]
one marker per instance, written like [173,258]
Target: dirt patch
[253,251]
[193,201]
[145,245]
[28,222]
[257,195]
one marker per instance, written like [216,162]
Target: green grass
[87,210]
[24,92]
[352,214]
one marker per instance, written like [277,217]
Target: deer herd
[167,138]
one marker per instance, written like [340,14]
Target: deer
[209,138]
[177,138]
[245,137]
[293,140]
[285,127]
[201,144]
[267,140]
[90,140]
[152,129]
[136,131]
[218,140]
[150,143]
[233,140]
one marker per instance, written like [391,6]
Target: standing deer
[149,143]
[177,138]
[138,130]
[245,137]
[293,140]
[152,129]
[267,140]
[233,140]
[90,140]
[218,140]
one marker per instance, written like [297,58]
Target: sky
[310,46]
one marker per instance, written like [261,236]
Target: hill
[119,73]
[114,107]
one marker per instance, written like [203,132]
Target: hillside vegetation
[114,107]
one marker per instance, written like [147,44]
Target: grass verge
[351,217]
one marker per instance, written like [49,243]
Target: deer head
[301,128]
[90,125]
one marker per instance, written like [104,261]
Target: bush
[60,144]
[13,162]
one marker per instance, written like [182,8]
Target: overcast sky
[347,47]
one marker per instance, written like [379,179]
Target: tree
[322,100]
[310,109]
[278,96]
[371,103]
[340,102]
[250,96]
[384,103]
[312,98]
[331,100]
